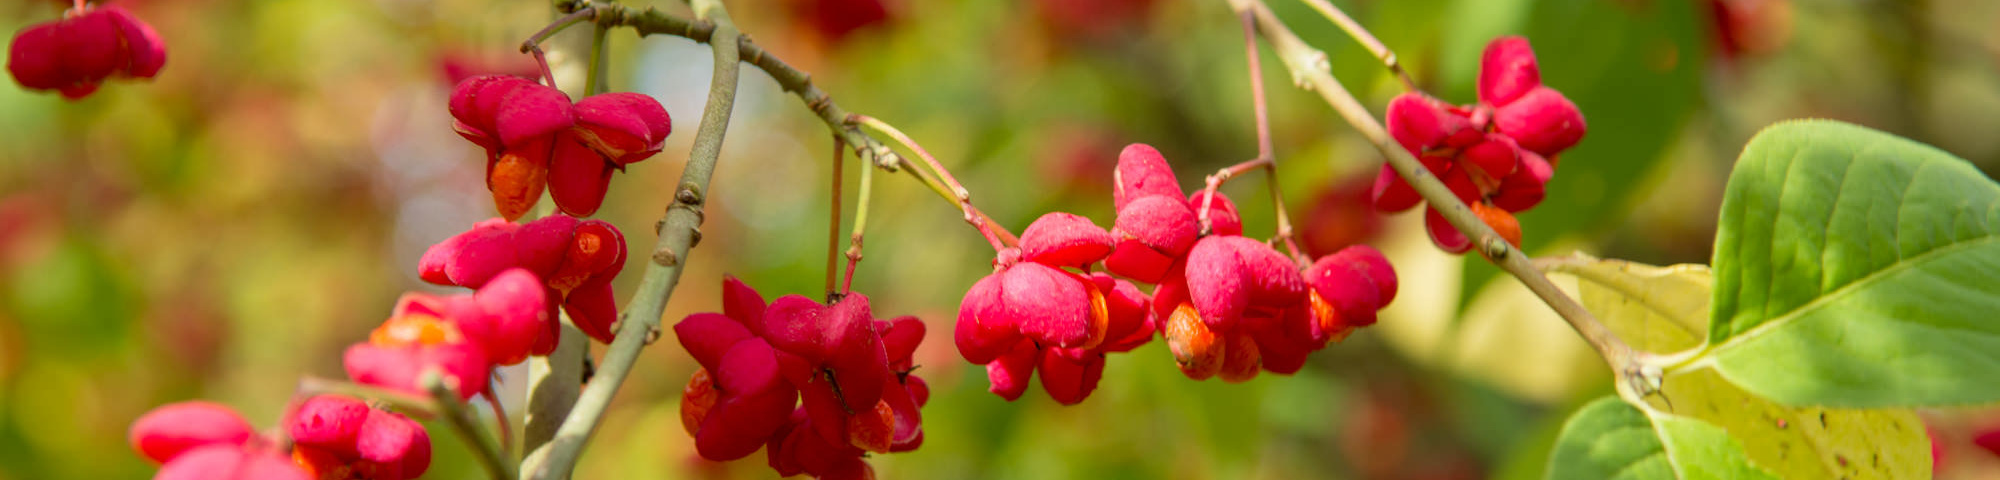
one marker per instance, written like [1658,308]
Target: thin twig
[1264,148]
[905,140]
[1214,182]
[1309,67]
[639,322]
[995,234]
[1266,153]
[534,41]
[594,81]
[1367,40]
[468,428]
[860,227]
[833,214]
[548,75]
[500,423]
[533,45]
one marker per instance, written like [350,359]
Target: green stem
[995,234]
[1366,39]
[460,417]
[860,226]
[534,41]
[1309,69]
[937,169]
[639,323]
[594,81]
[833,214]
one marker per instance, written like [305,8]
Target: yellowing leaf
[1805,442]
[1654,309]
[1665,309]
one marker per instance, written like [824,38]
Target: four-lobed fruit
[816,385]
[536,138]
[1495,155]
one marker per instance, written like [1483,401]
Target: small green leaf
[1609,439]
[1856,268]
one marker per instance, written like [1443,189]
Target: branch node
[1646,380]
[689,194]
[884,157]
[888,160]
[694,237]
[665,257]
[652,334]
[1494,247]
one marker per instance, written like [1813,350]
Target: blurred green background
[231,226]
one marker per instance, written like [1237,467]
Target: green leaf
[1856,268]
[1609,439]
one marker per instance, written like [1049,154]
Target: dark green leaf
[1856,268]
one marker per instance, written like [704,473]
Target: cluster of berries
[521,274]
[1496,155]
[332,437]
[816,385]
[1226,304]
[535,138]
[88,45]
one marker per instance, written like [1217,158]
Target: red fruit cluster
[535,137]
[1496,155]
[577,260]
[817,386]
[332,437]
[1032,316]
[461,336]
[1226,304]
[89,45]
